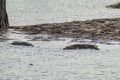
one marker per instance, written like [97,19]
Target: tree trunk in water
[3,14]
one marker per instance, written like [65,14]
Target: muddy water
[26,12]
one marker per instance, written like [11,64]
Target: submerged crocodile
[81,46]
[21,43]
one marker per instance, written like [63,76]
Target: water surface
[26,12]
[47,60]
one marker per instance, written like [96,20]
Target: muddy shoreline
[114,6]
[105,29]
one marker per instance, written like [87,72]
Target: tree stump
[3,14]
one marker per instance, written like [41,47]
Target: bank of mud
[114,6]
[106,29]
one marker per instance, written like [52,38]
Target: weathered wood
[3,14]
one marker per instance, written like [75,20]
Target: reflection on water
[3,35]
[25,12]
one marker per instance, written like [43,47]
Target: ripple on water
[44,62]
[29,12]
[55,63]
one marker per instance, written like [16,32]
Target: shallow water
[27,12]
[57,64]
[47,60]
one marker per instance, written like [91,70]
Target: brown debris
[97,28]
